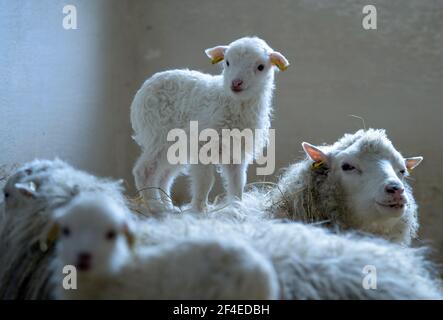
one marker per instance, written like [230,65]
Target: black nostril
[393,188]
[390,190]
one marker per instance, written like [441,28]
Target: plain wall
[68,93]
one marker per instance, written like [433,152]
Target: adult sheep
[357,183]
[239,98]
[312,262]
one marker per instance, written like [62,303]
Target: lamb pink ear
[216,54]
[279,60]
[29,189]
[413,162]
[314,153]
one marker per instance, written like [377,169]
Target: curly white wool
[311,262]
[351,185]
[32,194]
[107,268]
[239,98]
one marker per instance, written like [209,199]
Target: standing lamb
[239,98]
[96,238]
[358,183]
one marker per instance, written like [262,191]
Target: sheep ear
[279,60]
[413,162]
[29,189]
[129,234]
[314,153]
[51,236]
[216,54]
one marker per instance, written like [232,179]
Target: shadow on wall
[66,93]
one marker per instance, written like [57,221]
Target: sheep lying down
[357,183]
[95,237]
[311,262]
[308,262]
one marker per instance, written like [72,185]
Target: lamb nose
[237,83]
[394,189]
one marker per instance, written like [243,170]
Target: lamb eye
[347,167]
[403,172]
[7,195]
[66,231]
[110,235]
[260,67]
[227,63]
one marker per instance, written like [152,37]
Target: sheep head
[371,173]
[248,66]
[95,234]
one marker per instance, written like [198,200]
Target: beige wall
[67,93]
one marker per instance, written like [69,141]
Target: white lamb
[239,98]
[95,237]
[31,195]
[357,183]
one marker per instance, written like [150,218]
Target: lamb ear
[314,153]
[128,231]
[216,54]
[29,189]
[413,162]
[52,233]
[279,60]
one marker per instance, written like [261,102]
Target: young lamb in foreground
[31,195]
[357,183]
[239,98]
[95,237]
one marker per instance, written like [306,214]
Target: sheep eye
[110,235]
[403,172]
[347,167]
[227,63]
[66,231]
[6,194]
[260,67]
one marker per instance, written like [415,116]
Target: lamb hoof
[200,207]
[157,207]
